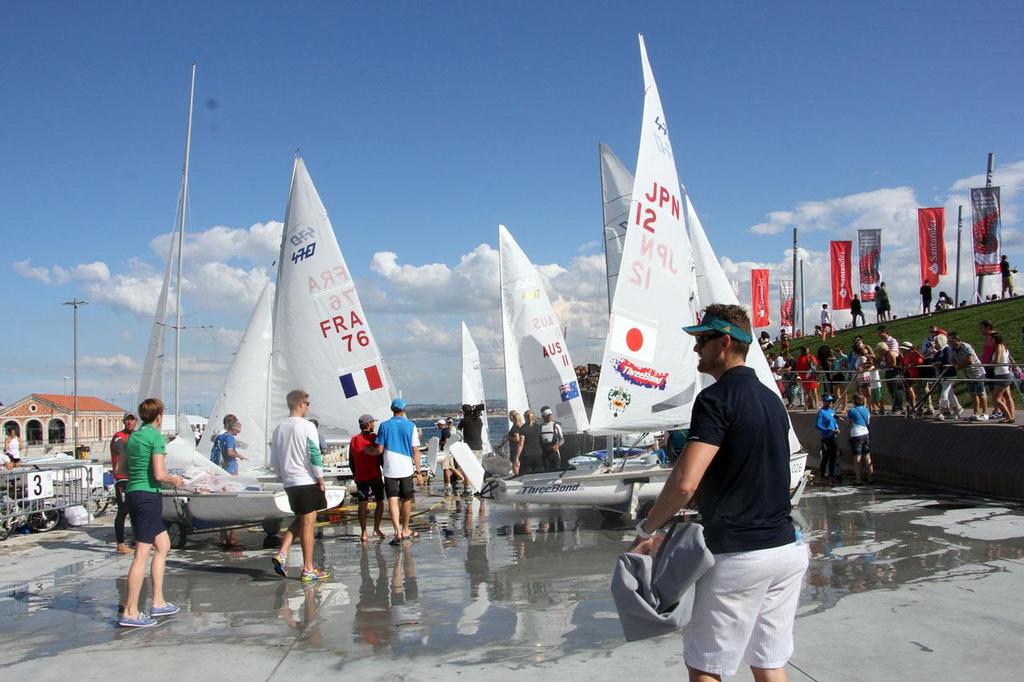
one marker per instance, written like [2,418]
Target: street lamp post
[74,303]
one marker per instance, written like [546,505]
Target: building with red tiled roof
[45,418]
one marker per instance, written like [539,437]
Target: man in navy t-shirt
[738,454]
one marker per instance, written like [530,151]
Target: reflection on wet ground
[483,583]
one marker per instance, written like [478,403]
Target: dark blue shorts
[144,510]
[860,446]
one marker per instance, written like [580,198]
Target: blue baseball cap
[398,405]
[828,399]
[710,323]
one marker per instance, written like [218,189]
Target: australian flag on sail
[569,391]
[361,381]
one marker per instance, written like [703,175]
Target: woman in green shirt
[143,462]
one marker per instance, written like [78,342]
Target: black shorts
[304,499]
[144,510]
[400,487]
[364,489]
[860,446]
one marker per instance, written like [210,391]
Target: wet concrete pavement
[903,584]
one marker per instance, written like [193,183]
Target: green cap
[710,323]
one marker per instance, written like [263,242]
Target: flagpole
[803,328]
[959,230]
[794,285]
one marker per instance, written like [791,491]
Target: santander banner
[759,297]
[931,227]
[842,287]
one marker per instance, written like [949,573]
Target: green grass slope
[1007,316]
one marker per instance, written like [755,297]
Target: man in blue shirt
[398,442]
[829,430]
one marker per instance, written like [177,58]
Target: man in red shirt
[365,464]
[121,480]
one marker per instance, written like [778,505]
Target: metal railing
[36,495]
[897,383]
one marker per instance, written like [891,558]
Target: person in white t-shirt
[296,458]
[826,322]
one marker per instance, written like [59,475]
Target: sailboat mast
[181,243]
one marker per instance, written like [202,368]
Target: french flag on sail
[361,381]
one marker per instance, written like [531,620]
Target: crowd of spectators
[893,377]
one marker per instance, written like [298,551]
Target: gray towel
[654,595]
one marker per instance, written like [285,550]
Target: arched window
[34,432]
[11,425]
[99,429]
[56,432]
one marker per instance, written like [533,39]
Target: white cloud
[258,244]
[471,285]
[135,294]
[110,363]
[229,338]
[220,287]
[881,208]
[29,271]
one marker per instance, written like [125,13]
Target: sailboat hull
[607,489]
[232,509]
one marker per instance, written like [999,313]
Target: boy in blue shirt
[398,443]
[860,439]
[829,430]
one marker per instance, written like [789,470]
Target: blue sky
[424,125]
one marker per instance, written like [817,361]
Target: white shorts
[743,610]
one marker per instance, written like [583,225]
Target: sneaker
[941,417]
[974,418]
[982,417]
[316,575]
[280,560]
[447,490]
[142,621]
[167,609]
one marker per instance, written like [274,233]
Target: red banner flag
[759,297]
[931,226]
[842,288]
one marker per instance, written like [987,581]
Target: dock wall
[983,458]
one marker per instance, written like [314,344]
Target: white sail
[714,287]
[515,387]
[473,380]
[649,371]
[616,196]
[532,329]
[244,390]
[322,340]
[152,383]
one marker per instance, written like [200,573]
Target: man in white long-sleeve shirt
[297,460]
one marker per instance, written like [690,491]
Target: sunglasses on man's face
[702,339]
